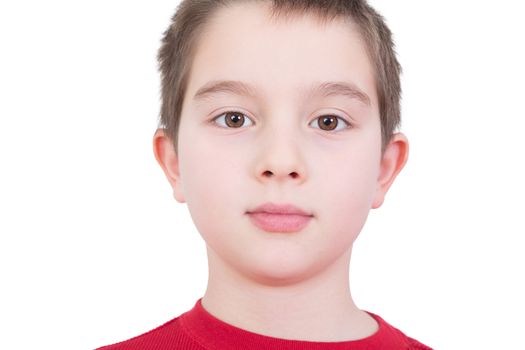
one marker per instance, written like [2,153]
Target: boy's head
[284,102]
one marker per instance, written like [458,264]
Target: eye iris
[236,119]
[326,121]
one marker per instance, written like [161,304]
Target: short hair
[179,42]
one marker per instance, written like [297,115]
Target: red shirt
[197,329]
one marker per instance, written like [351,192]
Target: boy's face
[279,153]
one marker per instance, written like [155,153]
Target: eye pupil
[327,121]
[236,119]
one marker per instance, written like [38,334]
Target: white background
[94,249]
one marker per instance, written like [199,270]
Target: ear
[393,160]
[169,162]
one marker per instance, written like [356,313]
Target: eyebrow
[326,89]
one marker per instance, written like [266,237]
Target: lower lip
[279,222]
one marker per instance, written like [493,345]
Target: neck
[318,307]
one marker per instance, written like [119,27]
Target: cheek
[347,188]
[211,184]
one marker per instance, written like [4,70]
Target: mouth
[280,218]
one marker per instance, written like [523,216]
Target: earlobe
[392,162]
[169,162]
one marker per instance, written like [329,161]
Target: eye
[329,122]
[233,119]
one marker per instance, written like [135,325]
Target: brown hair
[179,42]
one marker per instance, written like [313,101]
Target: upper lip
[273,208]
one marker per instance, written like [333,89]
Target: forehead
[280,56]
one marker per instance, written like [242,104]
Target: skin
[284,285]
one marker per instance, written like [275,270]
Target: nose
[281,160]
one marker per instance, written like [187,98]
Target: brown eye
[233,119]
[330,122]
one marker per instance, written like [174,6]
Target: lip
[279,218]
[273,208]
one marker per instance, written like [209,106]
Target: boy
[278,132]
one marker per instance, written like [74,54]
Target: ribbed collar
[215,334]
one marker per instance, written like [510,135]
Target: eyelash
[349,125]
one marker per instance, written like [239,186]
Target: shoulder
[392,337]
[415,345]
[168,332]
